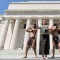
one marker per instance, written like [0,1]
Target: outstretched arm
[48,28]
[51,28]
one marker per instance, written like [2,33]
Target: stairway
[21,52]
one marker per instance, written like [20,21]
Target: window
[24,26]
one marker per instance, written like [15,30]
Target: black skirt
[44,45]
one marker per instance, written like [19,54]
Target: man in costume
[56,41]
[32,40]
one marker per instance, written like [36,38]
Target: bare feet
[35,56]
[46,58]
[52,57]
[42,58]
[25,57]
[59,49]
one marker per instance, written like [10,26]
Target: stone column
[14,36]
[4,33]
[26,33]
[38,34]
[50,24]
[9,35]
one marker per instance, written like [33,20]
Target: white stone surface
[34,6]
[14,36]
[9,36]
[20,39]
[19,54]
[50,37]
[4,33]
[38,33]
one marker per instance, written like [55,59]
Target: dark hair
[56,25]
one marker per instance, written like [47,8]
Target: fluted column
[26,33]
[38,34]
[9,35]
[14,36]
[4,33]
[50,24]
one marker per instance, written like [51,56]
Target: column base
[1,47]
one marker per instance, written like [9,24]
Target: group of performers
[44,42]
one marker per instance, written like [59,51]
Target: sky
[5,3]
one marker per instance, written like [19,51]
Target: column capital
[19,18]
[51,18]
[39,18]
[12,21]
[6,18]
[30,18]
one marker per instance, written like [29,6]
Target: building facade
[19,16]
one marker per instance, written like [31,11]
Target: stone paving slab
[30,57]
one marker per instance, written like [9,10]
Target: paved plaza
[19,54]
[33,59]
[30,57]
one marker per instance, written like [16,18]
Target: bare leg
[34,48]
[53,50]
[27,47]
[35,52]
[59,46]
[45,56]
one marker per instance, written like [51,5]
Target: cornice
[36,2]
[32,10]
[31,16]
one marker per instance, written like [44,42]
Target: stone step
[21,52]
[29,57]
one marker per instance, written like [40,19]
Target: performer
[56,41]
[32,41]
[44,42]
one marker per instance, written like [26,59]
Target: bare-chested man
[56,41]
[32,41]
